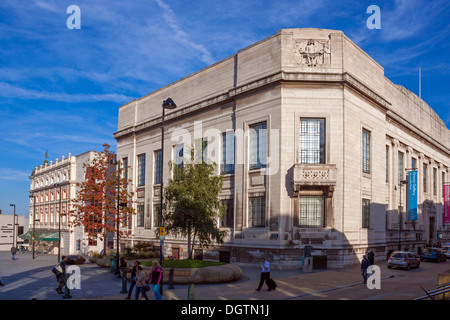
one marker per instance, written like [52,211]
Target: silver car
[446,250]
[403,259]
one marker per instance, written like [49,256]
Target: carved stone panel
[313,52]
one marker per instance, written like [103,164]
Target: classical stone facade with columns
[312,140]
[53,185]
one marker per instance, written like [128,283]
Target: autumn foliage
[95,205]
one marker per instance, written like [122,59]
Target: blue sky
[60,89]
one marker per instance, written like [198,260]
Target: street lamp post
[400,208]
[14,225]
[116,162]
[169,104]
[34,219]
[59,220]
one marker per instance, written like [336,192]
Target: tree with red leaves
[95,206]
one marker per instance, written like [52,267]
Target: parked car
[403,259]
[434,254]
[75,259]
[446,250]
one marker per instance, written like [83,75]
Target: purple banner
[447,204]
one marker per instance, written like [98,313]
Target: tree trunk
[189,244]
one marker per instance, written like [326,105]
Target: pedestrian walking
[365,263]
[371,257]
[265,276]
[61,276]
[156,277]
[140,284]
[13,252]
[133,279]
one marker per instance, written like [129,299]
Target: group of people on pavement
[367,261]
[138,281]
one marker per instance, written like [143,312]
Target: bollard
[171,279]
[66,289]
[191,292]
[124,282]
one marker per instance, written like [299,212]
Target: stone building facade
[53,185]
[312,140]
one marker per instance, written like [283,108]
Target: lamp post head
[12,205]
[169,104]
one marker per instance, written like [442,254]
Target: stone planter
[206,275]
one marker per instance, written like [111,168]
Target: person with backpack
[156,277]
[61,276]
[13,252]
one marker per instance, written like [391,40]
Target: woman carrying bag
[140,283]
[155,278]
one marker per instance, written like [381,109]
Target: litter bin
[319,262]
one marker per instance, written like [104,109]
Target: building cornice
[412,130]
[274,79]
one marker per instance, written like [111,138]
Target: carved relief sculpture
[313,52]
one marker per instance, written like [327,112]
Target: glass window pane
[312,211]
[141,170]
[158,166]
[257,212]
[227,165]
[312,141]
[258,145]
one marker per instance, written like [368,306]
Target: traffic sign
[162,231]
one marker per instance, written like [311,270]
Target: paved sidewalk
[27,279]
[292,284]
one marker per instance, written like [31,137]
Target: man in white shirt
[265,274]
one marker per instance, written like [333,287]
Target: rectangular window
[400,167]
[425,178]
[365,151]
[443,183]
[227,220]
[387,163]
[257,212]
[258,145]
[413,163]
[312,141]
[227,165]
[158,166]
[140,215]
[178,158]
[141,170]
[434,181]
[201,150]
[125,168]
[311,211]
[365,213]
[156,211]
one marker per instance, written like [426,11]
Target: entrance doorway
[176,253]
[432,229]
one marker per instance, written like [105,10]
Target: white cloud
[11,91]
[8,174]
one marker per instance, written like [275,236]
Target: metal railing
[441,289]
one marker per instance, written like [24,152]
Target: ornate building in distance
[53,186]
[313,142]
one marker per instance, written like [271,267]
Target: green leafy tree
[192,203]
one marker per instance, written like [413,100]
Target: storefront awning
[41,235]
